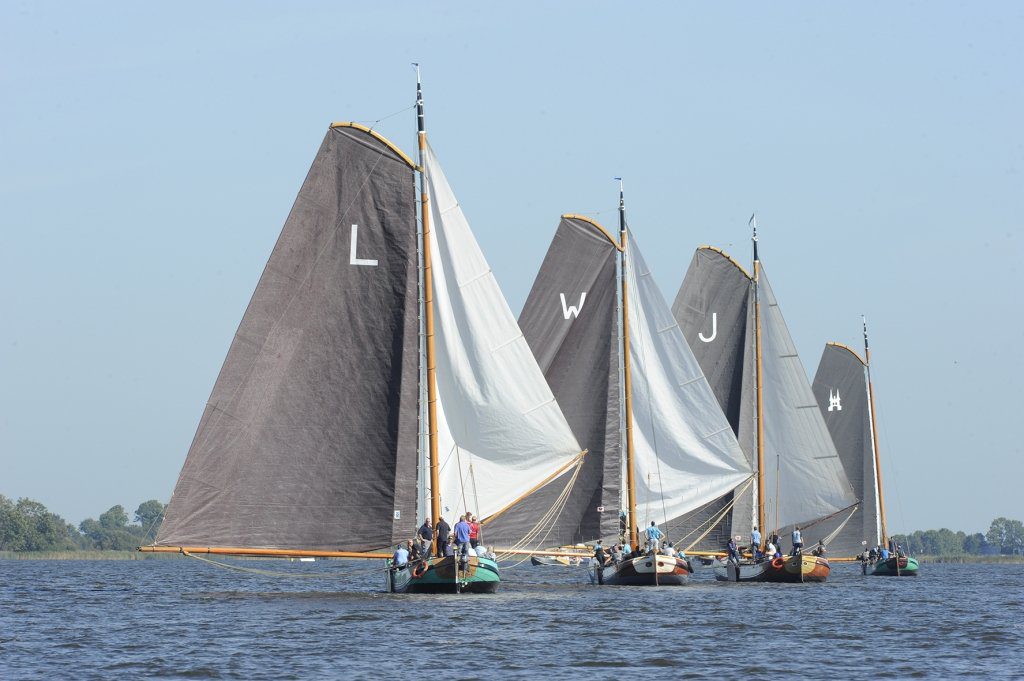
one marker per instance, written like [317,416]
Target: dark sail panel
[309,439]
[713,308]
[840,388]
[570,322]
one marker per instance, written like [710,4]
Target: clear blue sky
[150,153]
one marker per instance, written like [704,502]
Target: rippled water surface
[185,618]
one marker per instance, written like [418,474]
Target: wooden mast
[874,436]
[760,387]
[634,539]
[428,315]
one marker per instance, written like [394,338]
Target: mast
[760,387]
[874,435]
[634,540]
[428,312]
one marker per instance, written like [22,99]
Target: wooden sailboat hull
[442,576]
[888,568]
[670,571]
[792,569]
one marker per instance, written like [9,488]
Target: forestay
[309,439]
[801,463]
[685,452]
[500,431]
[840,387]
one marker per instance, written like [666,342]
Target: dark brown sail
[714,311]
[840,387]
[309,439]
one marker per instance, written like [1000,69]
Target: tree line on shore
[27,525]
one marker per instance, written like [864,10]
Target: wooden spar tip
[595,225]
[728,257]
[378,136]
[848,349]
[260,553]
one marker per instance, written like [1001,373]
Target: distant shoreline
[85,555]
[994,560]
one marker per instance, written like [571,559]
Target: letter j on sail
[572,310]
[352,259]
[714,329]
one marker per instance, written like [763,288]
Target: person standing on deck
[462,538]
[443,530]
[734,554]
[755,541]
[425,535]
[474,531]
[798,542]
[654,536]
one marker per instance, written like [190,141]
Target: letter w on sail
[714,329]
[352,259]
[572,310]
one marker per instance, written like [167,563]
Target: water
[184,618]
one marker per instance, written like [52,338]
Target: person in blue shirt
[798,542]
[401,557]
[755,541]
[654,536]
[885,553]
[462,531]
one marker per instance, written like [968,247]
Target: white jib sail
[500,430]
[800,460]
[685,454]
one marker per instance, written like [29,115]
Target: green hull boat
[888,568]
[445,575]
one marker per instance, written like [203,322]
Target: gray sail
[804,478]
[309,439]
[570,323]
[715,312]
[840,387]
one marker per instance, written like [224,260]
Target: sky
[150,152]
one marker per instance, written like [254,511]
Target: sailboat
[661,446]
[735,327]
[846,398]
[311,444]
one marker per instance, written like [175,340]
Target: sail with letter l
[309,439]
[501,433]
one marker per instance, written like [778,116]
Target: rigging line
[374,124]
[549,516]
[472,477]
[273,573]
[558,504]
[713,522]
[832,535]
[331,236]
[548,519]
